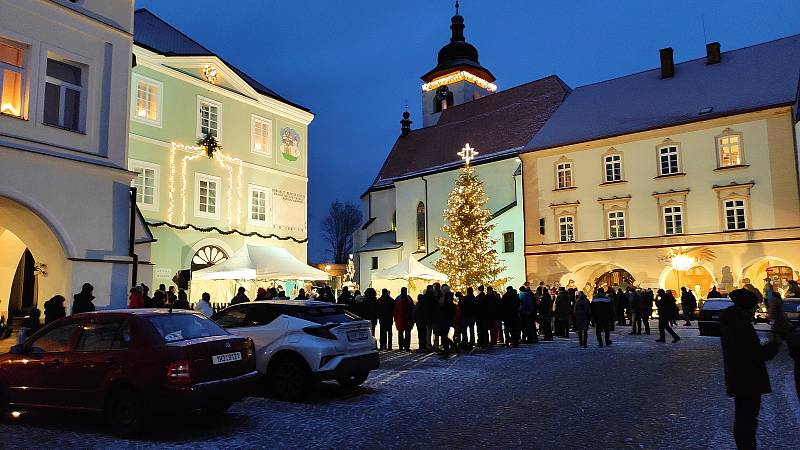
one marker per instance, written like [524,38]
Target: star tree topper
[467,154]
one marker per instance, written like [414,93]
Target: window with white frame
[12,74]
[673,220]
[259,205]
[668,162]
[735,214]
[207,196]
[261,136]
[613,168]
[566,229]
[508,242]
[146,183]
[730,150]
[616,224]
[64,94]
[208,118]
[564,175]
[147,100]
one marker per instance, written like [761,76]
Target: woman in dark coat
[54,309]
[371,307]
[385,317]
[583,315]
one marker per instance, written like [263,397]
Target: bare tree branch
[338,227]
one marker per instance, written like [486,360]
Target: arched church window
[208,256]
[421,226]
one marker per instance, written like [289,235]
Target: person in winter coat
[82,301]
[262,294]
[635,306]
[481,317]
[493,315]
[301,295]
[371,307]
[688,305]
[714,293]
[743,356]
[665,303]
[647,308]
[148,301]
[419,320]
[403,319]
[583,316]
[602,314]
[621,307]
[466,307]
[509,305]
[562,312]
[359,307]
[345,298]
[445,314]
[545,312]
[746,284]
[430,307]
[240,296]
[172,296]
[385,316]
[54,309]
[136,299]
[158,299]
[182,301]
[29,326]
[527,315]
[204,305]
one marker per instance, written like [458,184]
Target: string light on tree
[468,256]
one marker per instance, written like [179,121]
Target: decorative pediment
[615,202]
[733,189]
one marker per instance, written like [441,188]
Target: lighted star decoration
[467,154]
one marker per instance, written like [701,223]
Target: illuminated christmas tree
[468,257]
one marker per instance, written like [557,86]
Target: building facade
[461,105]
[65,203]
[203,206]
[686,175]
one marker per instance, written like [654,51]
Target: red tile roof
[496,125]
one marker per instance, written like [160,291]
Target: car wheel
[353,381]
[216,409]
[288,379]
[125,412]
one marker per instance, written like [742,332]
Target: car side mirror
[16,349]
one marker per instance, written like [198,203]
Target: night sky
[357,63]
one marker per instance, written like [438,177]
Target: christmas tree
[468,257]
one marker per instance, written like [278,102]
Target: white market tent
[253,262]
[409,269]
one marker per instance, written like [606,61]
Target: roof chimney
[667,65]
[405,124]
[712,53]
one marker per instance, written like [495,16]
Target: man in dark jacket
[746,377]
[621,307]
[82,301]
[563,310]
[430,306]
[371,307]
[510,310]
[665,303]
[445,314]
[345,299]
[240,296]
[635,306]
[466,307]
[481,317]
[545,313]
[603,316]
[54,309]
[647,308]
[493,316]
[688,305]
[527,313]
[385,317]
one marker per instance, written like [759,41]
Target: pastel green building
[204,205]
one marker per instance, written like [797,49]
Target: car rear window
[716,304]
[791,306]
[324,314]
[179,327]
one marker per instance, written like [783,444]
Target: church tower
[457,78]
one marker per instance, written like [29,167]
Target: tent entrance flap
[258,262]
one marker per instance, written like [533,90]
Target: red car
[128,364]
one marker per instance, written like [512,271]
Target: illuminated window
[146,183]
[261,139]
[421,226]
[616,224]
[147,101]
[566,228]
[208,118]
[673,220]
[735,215]
[730,150]
[64,94]
[668,162]
[613,168]
[564,177]
[12,73]
[259,207]
[207,196]
[508,242]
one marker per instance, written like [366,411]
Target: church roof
[747,79]
[497,125]
[153,33]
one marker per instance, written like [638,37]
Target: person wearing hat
[743,356]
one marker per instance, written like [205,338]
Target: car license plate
[226,358]
[357,335]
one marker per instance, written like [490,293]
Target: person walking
[385,316]
[562,312]
[602,314]
[583,316]
[181,301]
[743,357]
[510,307]
[688,305]
[371,307]
[445,315]
[54,309]
[466,307]
[527,315]
[240,296]
[82,301]
[666,305]
[404,319]
[204,305]
[136,299]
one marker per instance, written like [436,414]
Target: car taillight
[251,348]
[178,373]
[323,331]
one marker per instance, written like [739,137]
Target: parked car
[129,365]
[708,322]
[302,341]
[791,306]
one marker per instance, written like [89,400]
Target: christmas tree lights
[468,257]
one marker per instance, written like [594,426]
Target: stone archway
[778,269]
[699,279]
[586,276]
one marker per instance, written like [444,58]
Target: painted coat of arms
[290,144]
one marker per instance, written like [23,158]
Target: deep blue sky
[356,63]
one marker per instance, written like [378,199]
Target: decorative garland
[226,233]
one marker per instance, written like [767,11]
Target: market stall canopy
[407,269]
[258,262]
